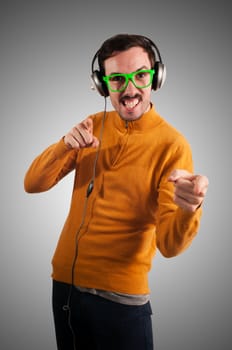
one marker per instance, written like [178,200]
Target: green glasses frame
[127,77]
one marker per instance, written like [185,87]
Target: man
[134,190]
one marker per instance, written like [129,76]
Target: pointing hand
[81,136]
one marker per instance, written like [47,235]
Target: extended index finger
[85,129]
[88,124]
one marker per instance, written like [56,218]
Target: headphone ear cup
[99,83]
[159,76]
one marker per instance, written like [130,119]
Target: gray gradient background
[46,52]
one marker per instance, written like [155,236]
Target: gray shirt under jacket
[121,298]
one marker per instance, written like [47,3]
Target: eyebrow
[143,67]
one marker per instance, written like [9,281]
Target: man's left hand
[190,189]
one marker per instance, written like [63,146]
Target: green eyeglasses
[118,82]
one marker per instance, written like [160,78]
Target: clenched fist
[190,189]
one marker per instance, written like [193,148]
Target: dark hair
[123,42]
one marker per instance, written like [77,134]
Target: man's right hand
[81,136]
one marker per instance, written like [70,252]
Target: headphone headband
[152,44]
[158,79]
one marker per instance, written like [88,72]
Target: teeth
[131,104]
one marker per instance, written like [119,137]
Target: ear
[159,76]
[99,83]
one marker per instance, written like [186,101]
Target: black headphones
[158,78]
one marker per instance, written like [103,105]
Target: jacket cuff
[61,148]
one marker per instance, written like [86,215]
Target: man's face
[132,102]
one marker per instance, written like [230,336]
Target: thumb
[180,173]
[95,142]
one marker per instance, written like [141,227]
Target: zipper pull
[90,189]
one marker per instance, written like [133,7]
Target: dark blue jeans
[99,324]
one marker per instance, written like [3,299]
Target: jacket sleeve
[176,227]
[49,168]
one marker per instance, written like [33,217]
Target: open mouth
[130,102]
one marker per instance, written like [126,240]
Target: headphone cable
[89,190]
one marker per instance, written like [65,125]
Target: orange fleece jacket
[130,211]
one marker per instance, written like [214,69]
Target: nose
[130,86]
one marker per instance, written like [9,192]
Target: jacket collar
[147,121]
